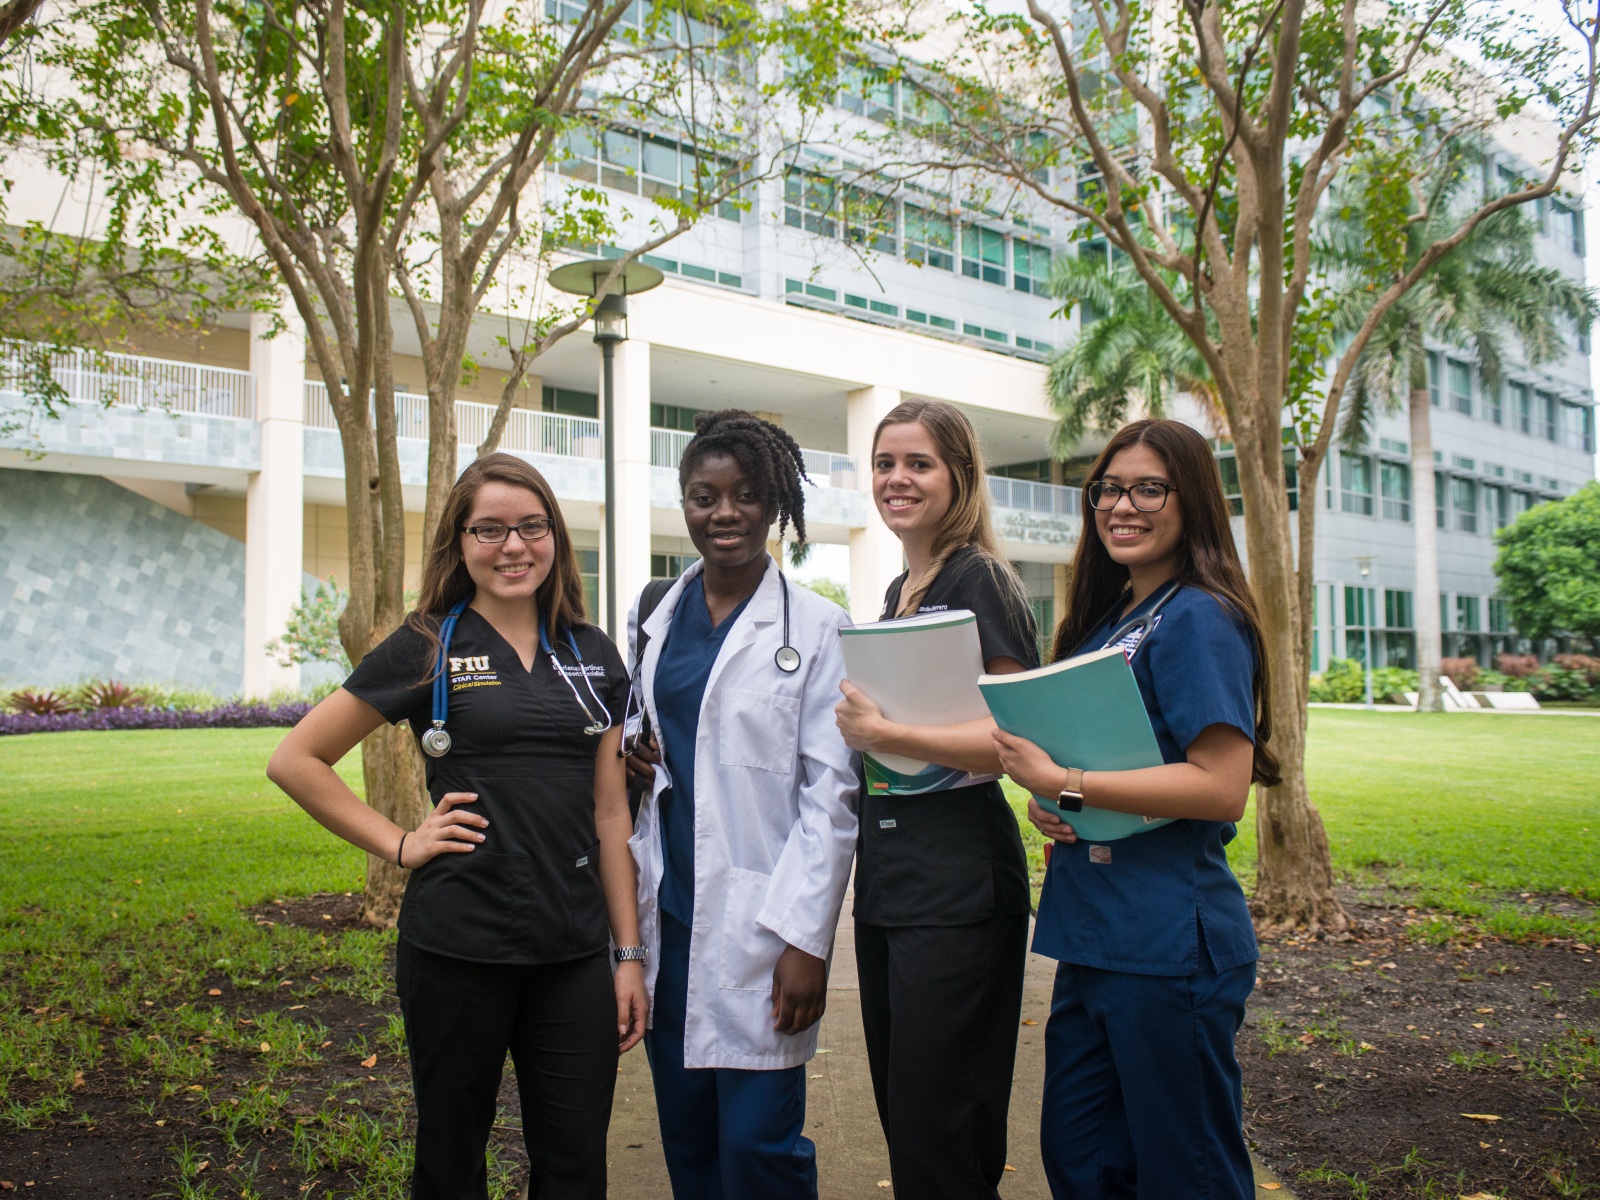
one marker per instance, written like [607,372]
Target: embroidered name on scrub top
[472,671]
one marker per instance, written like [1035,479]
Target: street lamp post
[586,278]
[1364,563]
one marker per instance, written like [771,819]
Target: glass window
[577,156]
[1492,396]
[619,160]
[1577,426]
[869,91]
[589,569]
[1355,483]
[1521,408]
[1464,496]
[1395,479]
[1358,603]
[1228,466]
[1496,507]
[661,160]
[983,254]
[1549,430]
[1461,387]
[1441,516]
[572,403]
[1467,614]
[1400,649]
[1030,266]
[1498,621]
[930,238]
[871,220]
[1397,609]
[1435,384]
[808,202]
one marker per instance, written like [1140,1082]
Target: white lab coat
[775,801]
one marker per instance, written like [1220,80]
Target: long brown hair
[1208,560]
[969,521]
[445,580]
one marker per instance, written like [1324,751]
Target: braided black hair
[771,458]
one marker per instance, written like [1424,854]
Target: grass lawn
[136,990]
[1463,812]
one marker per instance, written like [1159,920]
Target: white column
[632,406]
[275,502]
[875,556]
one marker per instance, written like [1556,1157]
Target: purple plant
[229,716]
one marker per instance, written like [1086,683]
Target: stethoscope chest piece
[787,658]
[436,742]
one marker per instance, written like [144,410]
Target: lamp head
[611,319]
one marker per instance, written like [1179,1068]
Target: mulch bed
[1378,1067]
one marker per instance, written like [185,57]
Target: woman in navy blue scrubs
[1142,1095]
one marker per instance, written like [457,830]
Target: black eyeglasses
[530,530]
[1145,497]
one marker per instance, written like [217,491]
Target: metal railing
[526,430]
[1034,497]
[134,381]
[825,468]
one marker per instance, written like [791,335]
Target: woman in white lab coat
[745,843]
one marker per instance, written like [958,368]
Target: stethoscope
[1140,625]
[436,742]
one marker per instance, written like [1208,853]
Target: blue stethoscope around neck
[436,741]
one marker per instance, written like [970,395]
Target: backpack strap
[649,601]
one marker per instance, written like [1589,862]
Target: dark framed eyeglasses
[530,530]
[1147,497]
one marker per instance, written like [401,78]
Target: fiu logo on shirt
[472,671]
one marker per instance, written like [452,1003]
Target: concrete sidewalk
[841,1117]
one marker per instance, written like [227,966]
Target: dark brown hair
[969,521]
[445,580]
[1208,560]
[766,453]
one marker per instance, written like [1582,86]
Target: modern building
[167,535]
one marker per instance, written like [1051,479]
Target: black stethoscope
[787,657]
[436,742]
[1140,625]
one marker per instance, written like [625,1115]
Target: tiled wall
[97,582]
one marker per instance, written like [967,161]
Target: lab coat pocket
[758,729]
[749,951]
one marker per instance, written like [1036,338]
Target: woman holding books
[1142,1093]
[745,842]
[941,908]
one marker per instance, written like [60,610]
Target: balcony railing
[1035,497]
[133,381]
[825,468]
[528,431]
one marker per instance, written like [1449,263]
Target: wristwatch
[1071,798]
[630,954]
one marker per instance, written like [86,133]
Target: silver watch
[630,954]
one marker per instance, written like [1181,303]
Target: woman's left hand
[1028,766]
[799,990]
[633,1004]
[860,719]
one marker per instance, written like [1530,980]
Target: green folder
[1085,712]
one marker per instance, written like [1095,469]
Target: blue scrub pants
[727,1134]
[1143,1097]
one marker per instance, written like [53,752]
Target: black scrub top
[952,857]
[530,891]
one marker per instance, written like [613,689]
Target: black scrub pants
[941,1007]
[558,1020]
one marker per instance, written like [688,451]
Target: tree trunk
[1425,512]
[1294,880]
[392,771]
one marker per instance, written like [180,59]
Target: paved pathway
[841,1116]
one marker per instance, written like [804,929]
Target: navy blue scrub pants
[558,1020]
[940,1007]
[726,1134]
[1143,1098]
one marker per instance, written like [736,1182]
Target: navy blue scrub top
[1146,904]
[682,670]
[530,891]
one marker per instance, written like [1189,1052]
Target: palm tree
[1489,291]
[1128,352]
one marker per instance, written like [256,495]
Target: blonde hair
[969,520]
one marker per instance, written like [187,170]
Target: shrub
[1555,682]
[312,632]
[1342,683]
[165,695]
[1390,683]
[1463,672]
[1518,666]
[109,693]
[1586,665]
[40,703]
[228,716]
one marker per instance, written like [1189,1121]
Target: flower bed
[227,716]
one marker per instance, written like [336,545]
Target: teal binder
[1085,712]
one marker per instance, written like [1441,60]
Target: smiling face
[512,569]
[727,521]
[1147,543]
[911,484]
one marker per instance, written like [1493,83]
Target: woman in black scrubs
[941,911]
[521,874]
